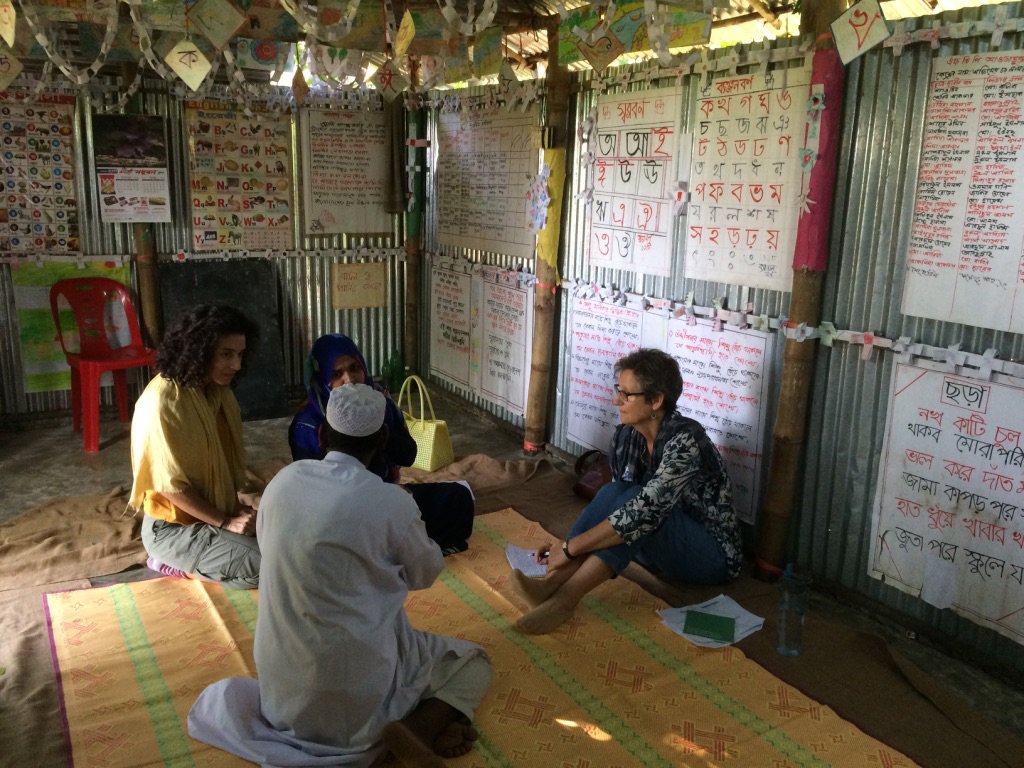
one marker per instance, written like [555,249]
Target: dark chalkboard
[250,286]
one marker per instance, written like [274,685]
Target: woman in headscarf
[447,508]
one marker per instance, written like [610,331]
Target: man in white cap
[343,677]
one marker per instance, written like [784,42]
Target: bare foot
[535,591]
[456,739]
[406,746]
[546,617]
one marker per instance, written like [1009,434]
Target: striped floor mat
[612,687]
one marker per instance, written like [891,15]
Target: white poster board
[965,263]
[481,331]
[725,383]
[600,335]
[948,524]
[344,173]
[636,147]
[746,179]
[724,388]
[485,164]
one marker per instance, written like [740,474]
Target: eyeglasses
[626,395]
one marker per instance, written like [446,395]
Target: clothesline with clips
[951,358]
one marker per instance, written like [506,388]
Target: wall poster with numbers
[948,523]
[747,179]
[240,178]
[486,161]
[632,218]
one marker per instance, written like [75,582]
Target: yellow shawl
[186,438]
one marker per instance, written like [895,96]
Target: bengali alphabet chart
[451,324]
[344,172]
[632,219]
[506,338]
[485,164]
[724,387]
[601,334]
[949,517]
[240,177]
[965,262]
[746,179]
[39,213]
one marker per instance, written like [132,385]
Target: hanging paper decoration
[189,63]
[10,68]
[8,22]
[75,75]
[389,80]
[218,20]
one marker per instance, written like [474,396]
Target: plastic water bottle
[793,587]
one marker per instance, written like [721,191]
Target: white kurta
[336,657]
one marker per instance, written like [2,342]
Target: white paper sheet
[522,559]
[746,622]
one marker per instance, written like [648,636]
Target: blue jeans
[679,550]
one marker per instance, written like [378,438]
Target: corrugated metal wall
[883,121]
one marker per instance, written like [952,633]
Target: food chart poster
[39,214]
[241,171]
[131,168]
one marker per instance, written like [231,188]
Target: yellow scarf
[186,438]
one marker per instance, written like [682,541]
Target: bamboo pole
[145,247]
[414,239]
[810,263]
[544,331]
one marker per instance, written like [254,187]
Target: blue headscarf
[304,432]
[319,367]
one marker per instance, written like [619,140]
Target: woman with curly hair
[188,460]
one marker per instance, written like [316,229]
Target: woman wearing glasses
[668,507]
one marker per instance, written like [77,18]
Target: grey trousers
[209,552]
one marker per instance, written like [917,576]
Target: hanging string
[77,76]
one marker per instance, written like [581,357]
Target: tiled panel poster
[632,220]
[948,524]
[241,178]
[485,164]
[39,212]
[965,263]
[746,179]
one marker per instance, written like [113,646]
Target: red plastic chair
[108,340]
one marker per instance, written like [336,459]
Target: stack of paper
[712,623]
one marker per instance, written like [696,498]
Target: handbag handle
[423,394]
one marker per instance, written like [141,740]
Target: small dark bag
[592,472]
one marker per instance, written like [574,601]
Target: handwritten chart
[601,334]
[485,161]
[344,176]
[360,284]
[965,263]
[949,517]
[481,332]
[724,383]
[632,219]
[240,178]
[745,179]
[451,324]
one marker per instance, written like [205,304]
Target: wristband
[565,550]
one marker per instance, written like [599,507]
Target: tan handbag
[433,443]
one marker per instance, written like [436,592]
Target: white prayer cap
[356,410]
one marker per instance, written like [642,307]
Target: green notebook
[710,625]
